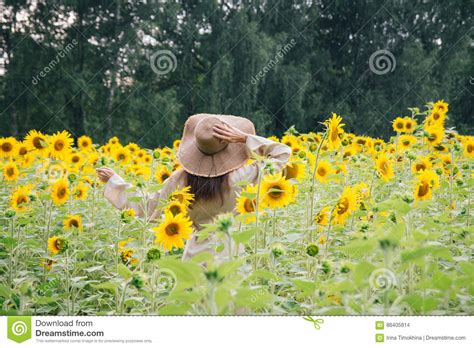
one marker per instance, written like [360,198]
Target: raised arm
[278,154]
[118,192]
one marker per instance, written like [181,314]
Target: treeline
[138,69]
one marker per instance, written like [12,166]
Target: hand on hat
[230,134]
[105,174]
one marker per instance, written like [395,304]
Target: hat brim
[232,157]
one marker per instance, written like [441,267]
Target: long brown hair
[207,188]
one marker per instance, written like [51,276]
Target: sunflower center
[343,206]
[291,171]
[59,145]
[21,200]
[406,142]
[175,210]
[470,148]
[75,159]
[85,144]
[420,167]
[164,176]
[23,151]
[276,192]
[384,167]
[121,157]
[408,126]
[399,125]
[38,143]
[74,223]
[61,192]
[7,147]
[10,172]
[249,205]
[172,229]
[322,171]
[423,189]
[436,116]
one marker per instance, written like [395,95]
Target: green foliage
[228,62]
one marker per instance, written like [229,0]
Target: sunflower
[441,106]
[126,253]
[37,141]
[20,198]
[10,171]
[410,124]
[398,125]
[346,204]
[246,203]
[421,164]
[469,148]
[379,145]
[424,184]
[121,155]
[22,149]
[435,119]
[73,221]
[175,208]
[60,145]
[291,141]
[75,158]
[57,245]
[173,231]
[434,135]
[405,142]
[161,174]
[295,169]
[182,195]
[84,143]
[8,147]
[113,141]
[322,218]
[384,167]
[80,191]
[273,138]
[133,148]
[276,191]
[47,264]
[60,192]
[334,128]
[323,171]
[176,143]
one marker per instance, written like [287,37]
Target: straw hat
[201,153]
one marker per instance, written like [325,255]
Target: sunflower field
[352,226]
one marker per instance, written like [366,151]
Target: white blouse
[117,192]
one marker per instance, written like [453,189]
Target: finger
[222,137]
[223,132]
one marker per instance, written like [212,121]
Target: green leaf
[359,248]
[124,272]
[306,287]
[5,291]
[245,235]
[421,305]
[106,286]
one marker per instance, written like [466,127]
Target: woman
[213,152]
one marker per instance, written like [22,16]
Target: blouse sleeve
[278,154]
[122,196]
